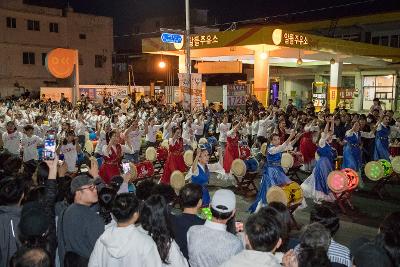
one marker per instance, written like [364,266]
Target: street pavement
[363,221]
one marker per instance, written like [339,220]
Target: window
[53,27]
[375,40]
[33,25]
[44,55]
[82,36]
[80,59]
[98,61]
[367,37]
[394,41]
[28,58]
[11,22]
[381,87]
[385,40]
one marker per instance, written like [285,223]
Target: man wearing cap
[210,244]
[79,226]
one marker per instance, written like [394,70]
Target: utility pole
[187,51]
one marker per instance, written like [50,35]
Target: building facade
[28,33]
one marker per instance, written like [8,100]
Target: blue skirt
[381,150]
[272,175]
[352,157]
[321,172]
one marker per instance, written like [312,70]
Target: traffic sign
[171,38]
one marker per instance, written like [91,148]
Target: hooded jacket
[9,243]
[124,246]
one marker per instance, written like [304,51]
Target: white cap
[223,201]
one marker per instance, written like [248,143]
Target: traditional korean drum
[238,168]
[177,180]
[162,153]
[287,160]
[212,141]
[159,136]
[194,145]
[374,170]
[387,167]
[203,141]
[244,152]
[144,169]
[289,194]
[394,150]
[151,154]
[396,164]
[298,159]
[92,136]
[165,144]
[188,158]
[251,165]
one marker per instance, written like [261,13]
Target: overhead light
[299,61]
[332,61]
[263,56]
[162,64]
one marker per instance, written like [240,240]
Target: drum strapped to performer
[188,158]
[238,168]
[177,180]
[151,154]
[290,194]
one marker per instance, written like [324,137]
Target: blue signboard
[171,38]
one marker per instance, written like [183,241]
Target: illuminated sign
[281,37]
[201,40]
[171,38]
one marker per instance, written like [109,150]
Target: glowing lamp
[396,164]
[352,178]
[299,61]
[162,64]
[387,167]
[263,56]
[337,181]
[374,170]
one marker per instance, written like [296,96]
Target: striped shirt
[337,253]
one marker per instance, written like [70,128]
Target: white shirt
[281,148]
[101,142]
[30,144]
[252,258]
[40,131]
[80,128]
[12,142]
[124,247]
[70,156]
[92,121]
[152,132]
[198,127]
[214,167]
[134,139]
[223,131]
[263,126]
[254,128]
[186,131]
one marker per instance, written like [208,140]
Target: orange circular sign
[60,62]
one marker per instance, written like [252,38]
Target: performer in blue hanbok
[200,171]
[273,173]
[381,150]
[315,186]
[352,150]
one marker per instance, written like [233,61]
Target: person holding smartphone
[70,149]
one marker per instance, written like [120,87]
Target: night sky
[131,11]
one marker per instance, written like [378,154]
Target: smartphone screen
[126,167]
[49,151]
